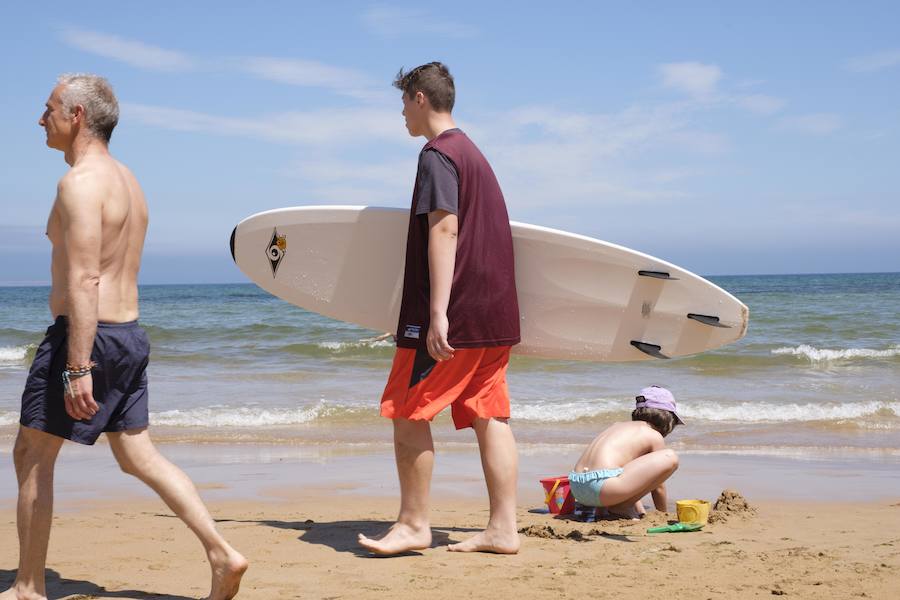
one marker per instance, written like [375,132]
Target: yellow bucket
[692,511]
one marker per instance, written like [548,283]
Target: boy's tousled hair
[433,80]
[659,419]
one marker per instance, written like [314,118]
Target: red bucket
[557,495]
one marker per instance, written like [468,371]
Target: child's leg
[639,477]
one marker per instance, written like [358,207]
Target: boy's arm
[443,228]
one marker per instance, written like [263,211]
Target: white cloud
[701,83]
[137,54]
[874,62]
[816,124]
[760,103]
[388,21]
[310,73]
[326,127]
[546,157]
[695,79]
[290,71]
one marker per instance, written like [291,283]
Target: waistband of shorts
[587,476]
[62,321]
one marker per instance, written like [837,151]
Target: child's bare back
[618,445]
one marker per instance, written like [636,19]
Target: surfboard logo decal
[276,250]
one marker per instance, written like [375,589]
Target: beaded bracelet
[74,373]
[80,369]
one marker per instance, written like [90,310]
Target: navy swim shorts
[121,351]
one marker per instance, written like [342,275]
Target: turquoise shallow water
[817,374]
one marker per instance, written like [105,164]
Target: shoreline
[262,472]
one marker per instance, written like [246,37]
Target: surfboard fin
[651,349]
[708,320]
[233,231]
[657,275]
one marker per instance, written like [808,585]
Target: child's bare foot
[227,570]
[489,540]
[398,539]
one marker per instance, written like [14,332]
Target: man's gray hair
[95,94]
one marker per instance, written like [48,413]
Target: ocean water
[817,375]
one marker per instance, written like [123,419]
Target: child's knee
[671,460]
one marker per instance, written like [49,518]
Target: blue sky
[752,138]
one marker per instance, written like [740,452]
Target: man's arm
[443,228]
[80,204]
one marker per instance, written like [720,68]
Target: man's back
[100,197]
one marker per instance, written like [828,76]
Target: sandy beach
[304,547]
[296,516]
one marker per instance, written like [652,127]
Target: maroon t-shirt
[483,309]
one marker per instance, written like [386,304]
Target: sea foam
[826,355]
[10,355]
[744,412]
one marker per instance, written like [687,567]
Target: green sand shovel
[676,527]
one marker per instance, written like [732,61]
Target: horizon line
[46,284]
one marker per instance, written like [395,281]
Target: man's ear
[420,99]
[78,114]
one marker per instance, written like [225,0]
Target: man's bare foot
[399,538]
[227,571]
[489,540]
[20,594]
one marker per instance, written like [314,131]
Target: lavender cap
[658,397]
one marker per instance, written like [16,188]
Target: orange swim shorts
[473,383]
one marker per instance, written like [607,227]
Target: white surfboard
[580,298]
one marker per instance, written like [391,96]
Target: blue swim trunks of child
[121,351]
[585,486]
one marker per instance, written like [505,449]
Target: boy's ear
[420,98]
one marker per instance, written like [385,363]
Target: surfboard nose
[233,231]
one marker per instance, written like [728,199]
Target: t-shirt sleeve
[438,185]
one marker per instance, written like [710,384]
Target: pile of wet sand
[730,504]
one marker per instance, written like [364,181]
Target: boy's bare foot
[227,571]
[14,594]
[398,539]
[489,540]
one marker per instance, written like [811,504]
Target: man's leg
[34,455]
[500,462]
[137,456]
[414,451]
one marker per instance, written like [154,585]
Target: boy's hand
[436,341]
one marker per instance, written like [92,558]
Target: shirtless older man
[88,375]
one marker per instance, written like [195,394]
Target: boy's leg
[639,477]
[414,452]
[34,455]
[499,460]
[137,456]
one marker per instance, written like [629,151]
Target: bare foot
[628,515]
[399,538]
[489,540]
[14,594]
[227,571]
